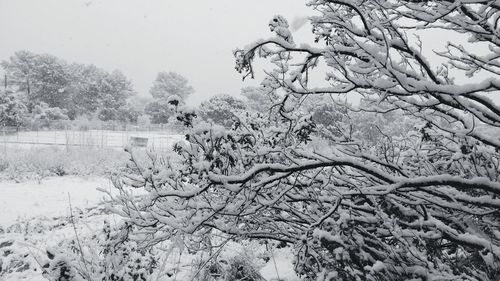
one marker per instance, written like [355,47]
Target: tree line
[45,87]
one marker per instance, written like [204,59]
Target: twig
[177,266]
[77,238]
[211,257]
[34,257]
[274,262]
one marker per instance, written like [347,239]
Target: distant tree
[258,99]
[159,112]
[94,89]
[124,114]
[221,109]
[169,89]
[331,120]
[86,91]
[116,90]
[138,102]
[107,114]
[168,84]
[12,110]
[78,88]
[43,77]
[127,114]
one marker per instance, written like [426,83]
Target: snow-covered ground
[35,216]
[49,198]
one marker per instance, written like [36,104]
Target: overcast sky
[142,37]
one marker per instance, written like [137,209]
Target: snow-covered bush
[17,259]
[13,111]
[42,111]
[221,109]
[7,262]
[417,202]
[37,163]
[44,116]
[106,256]
[229,260]
[107,114]
[240,268]
[237,268]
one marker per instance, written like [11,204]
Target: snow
[284,266]
[49,198]
[36,214]
[378,266]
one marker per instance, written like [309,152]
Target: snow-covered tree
[169,88]
[418,203]
[80,89]
[221,109]
[43,77]
[12,109]
[127,114]
[169,84]
[258,99]
[158,111]
[94,89]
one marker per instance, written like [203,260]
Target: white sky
[142,37]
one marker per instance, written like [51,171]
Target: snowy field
[35,217]
[49,198]
[159,140]
[47,212]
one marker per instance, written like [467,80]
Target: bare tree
[422,204]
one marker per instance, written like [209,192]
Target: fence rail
[157,140]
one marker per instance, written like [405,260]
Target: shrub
[235,261]
[241,268]
[107,256]
[22,164]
